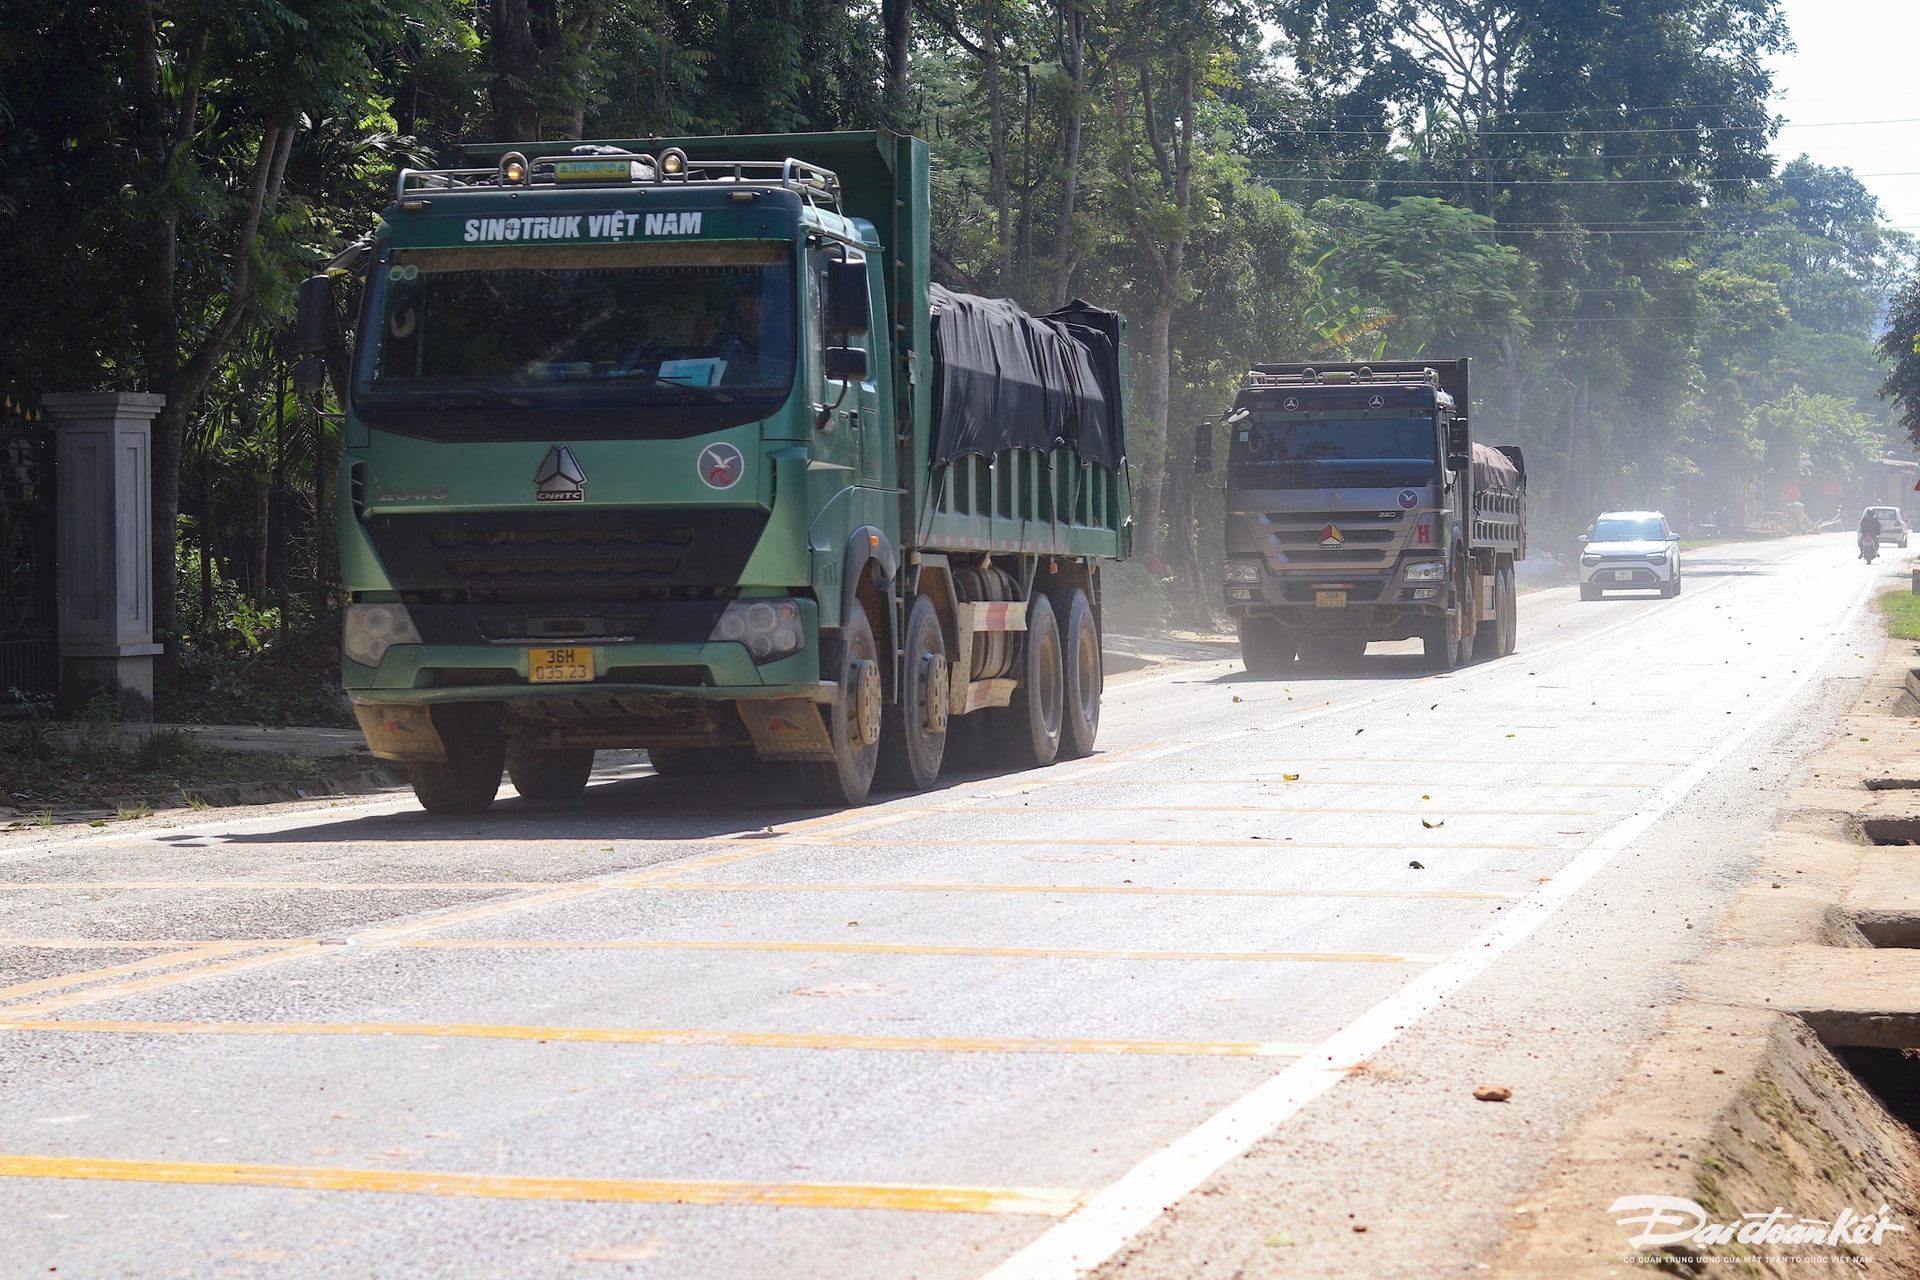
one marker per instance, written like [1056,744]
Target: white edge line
[1116,1214]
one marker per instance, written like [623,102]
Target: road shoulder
[1736,1104]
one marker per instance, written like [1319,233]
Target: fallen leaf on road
[1431,825]
[1236,697]
[1278,1240]
[1493,1093]
[1360,1227]
[1418,866]
[1290,777]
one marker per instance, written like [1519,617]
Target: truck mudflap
[787,729]
[400,732]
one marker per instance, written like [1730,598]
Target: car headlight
[1242,571]
[1658,557]
[770,629]
[371,629]
[1427,571]
[1589,559]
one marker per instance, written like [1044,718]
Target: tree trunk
[515,60]
[1075,60]
[896,18]
[997,145]
[1156,326]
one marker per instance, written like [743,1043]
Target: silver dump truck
[1359,508]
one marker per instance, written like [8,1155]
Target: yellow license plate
[1330,599]
[559,666]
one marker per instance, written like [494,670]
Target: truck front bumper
[707,694]
[1380,605]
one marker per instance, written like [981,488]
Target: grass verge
[1902,611]
[129,775]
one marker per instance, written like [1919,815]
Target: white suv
[1629,551]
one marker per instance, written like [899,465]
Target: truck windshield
[581,326]
[1334,452]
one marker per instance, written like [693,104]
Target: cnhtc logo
[560,478]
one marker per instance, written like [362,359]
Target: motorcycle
[1869,547]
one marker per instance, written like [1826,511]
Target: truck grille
[556,554]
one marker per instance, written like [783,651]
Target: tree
[1899,346]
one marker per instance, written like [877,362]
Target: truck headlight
[769,629]
[1242,571]
[371,629]
[1427,571]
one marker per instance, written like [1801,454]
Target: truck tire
[1086,679]
[1267,646]
[1436,638]
[913,731]
[1026,732]
[549,773]
[465,782]
[700,762]
[853,721]
[1510,638]
[1490,637]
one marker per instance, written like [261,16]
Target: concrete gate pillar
[104,457]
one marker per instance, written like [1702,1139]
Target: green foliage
[1580,197]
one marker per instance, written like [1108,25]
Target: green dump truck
[1359,507]
[673,444]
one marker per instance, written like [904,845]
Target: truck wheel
[1510,638]
[1085,679]
[549,773]
[465,782]
[913,731]
[1491,635]
[853,721]
[1026,732]
[1436,638]
[1266,646]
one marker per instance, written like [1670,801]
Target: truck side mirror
[314,312]
[847,364]
[1458,442]
[1457,462]
[309,375]
[1203,447]
[848,310]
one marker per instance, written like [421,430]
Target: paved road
[688,1031]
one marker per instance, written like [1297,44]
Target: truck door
[853,415]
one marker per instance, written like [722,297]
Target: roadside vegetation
[1588,201]
[121,771]
[1902,612]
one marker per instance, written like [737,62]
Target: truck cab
[1358,508]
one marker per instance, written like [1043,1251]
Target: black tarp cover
[1003,379]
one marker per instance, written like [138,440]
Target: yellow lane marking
[954,886]
[1310,781]
[137,944]
[1038,1201]
[905,949]
[242,963]
[202,951]
[199,886]
[1173,842]
[1422,811]
[685,1038]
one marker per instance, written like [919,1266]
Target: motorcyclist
[1869,529]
